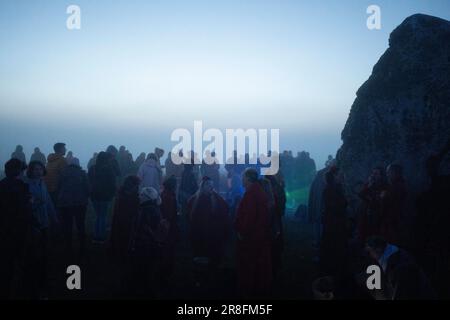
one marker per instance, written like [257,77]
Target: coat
[55,164]
[73,187]
[42,205]
[102,181]
[150,174]
[254,244]
[209,225]
[15,215]
[125,210]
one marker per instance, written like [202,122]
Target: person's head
[213,154]
[159,152]
[330,157]
[19,148]
[14,168]
[375,247]
[206,186]
[75,162]
[394,173]
[60,148]
[130,185]
[249,177]
[37,150]
[95,155]
[70,154]
[149,194]
[122,149]
[103,158]
[36,170]
[112,150]
[377,176]
[152,156]
[170,183]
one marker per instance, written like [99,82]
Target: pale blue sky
[139,69]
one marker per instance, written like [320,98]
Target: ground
[99,276]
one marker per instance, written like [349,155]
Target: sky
[137,70]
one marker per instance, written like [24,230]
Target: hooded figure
[209,223]
[38,156]
[150,173]
[72,200]
[18,154]
[147,239]
[254,239]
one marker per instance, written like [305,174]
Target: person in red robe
[252,224]
[209,223]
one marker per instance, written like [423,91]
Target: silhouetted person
[159,154]
[279,197]
[112,150]
[15,223]
[102,180]
[333,244]
[150,173]
[72,200]
[69,157]
[92,160]
[432,223]
[55,164]
[147,238]
[125,211]
[209,224]
[315,205]
[188,186]
[139,161]
[370,219]
[210,168]
[393,204]
[254,239]
[19,154]
[44,215]
[169,212]
[38,156]
[403,279]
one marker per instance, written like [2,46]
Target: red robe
[254,247]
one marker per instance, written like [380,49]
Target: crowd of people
[405,234]
[155,206]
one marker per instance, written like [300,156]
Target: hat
[149,194]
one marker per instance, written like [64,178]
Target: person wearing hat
[15,221]
[147,238]
[72,200]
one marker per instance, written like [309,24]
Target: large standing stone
[402,112]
